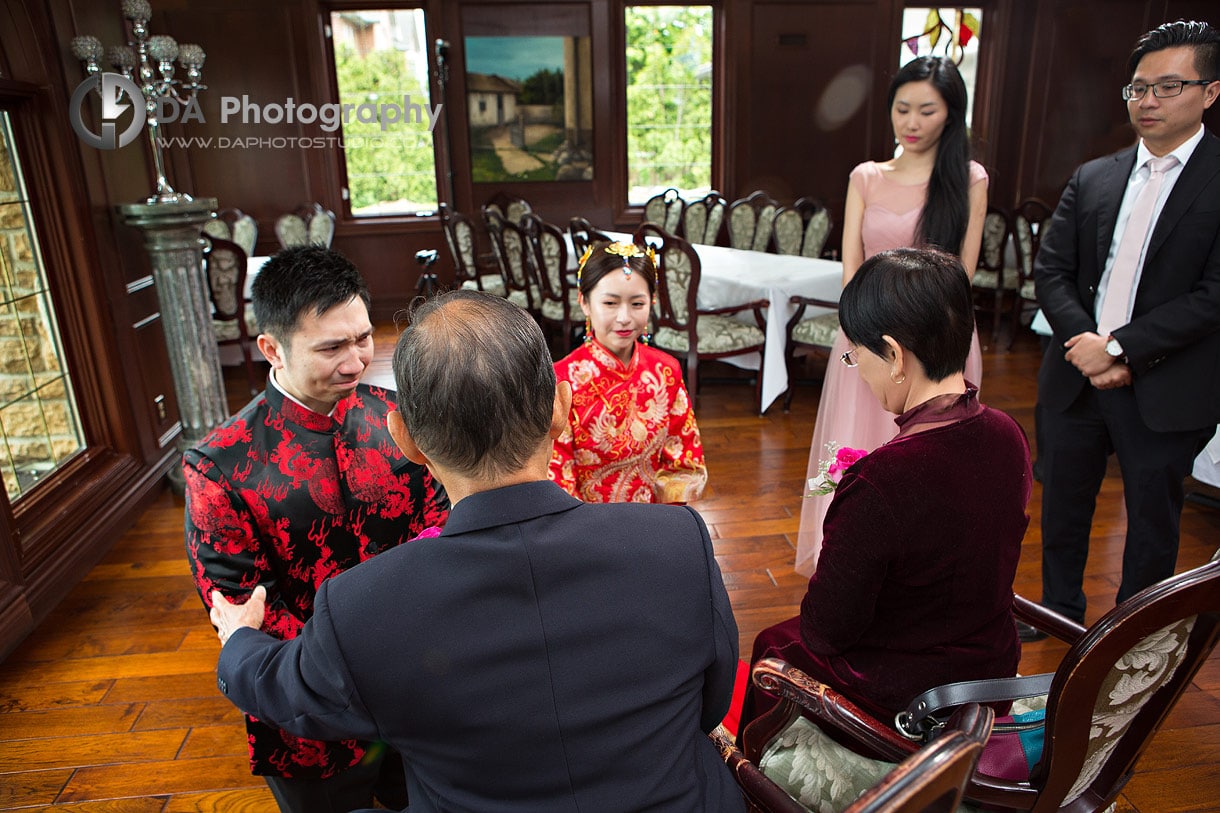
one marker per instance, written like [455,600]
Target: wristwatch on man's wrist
[1115,350]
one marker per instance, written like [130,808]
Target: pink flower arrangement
[427,533]
[830,470]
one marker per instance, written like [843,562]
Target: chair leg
[692,374]
[997,312]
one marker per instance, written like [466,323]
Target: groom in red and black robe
[302,484]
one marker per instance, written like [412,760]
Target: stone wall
[39,427]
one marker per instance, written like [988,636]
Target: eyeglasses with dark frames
[1161,90]
[850,358]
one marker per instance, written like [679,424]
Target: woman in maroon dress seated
[914,585]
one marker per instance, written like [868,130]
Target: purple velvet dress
[914,585]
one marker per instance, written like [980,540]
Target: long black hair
[946,212]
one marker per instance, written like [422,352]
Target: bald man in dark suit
[541,654]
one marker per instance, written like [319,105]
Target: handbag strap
[919,720]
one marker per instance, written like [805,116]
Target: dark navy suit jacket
[542,654]
[1173,338]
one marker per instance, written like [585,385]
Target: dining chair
[557,295]
[993,281]
[308,225]
[509,207]
[751,221]
[1030,225]
[583,233]
[804,336]
[665,209]
[1110,694]
[701,219]
[687,331]
[933,778]
[512,251]
[233,323]
[459,235]
[802,228]
[236,226]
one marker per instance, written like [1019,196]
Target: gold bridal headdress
[624,250]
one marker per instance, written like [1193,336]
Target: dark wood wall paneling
[51,537]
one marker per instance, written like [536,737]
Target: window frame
[627,212]
[335,169]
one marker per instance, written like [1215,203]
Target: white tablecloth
[253,266]
[731,276]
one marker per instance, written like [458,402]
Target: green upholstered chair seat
[819,331]
[717,334]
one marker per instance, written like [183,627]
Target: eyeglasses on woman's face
[851,358]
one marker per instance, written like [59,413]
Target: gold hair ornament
[625,250]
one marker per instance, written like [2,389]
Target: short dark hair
[920,298]
[602,262]
[1198,35]
[476,385]
[297,279]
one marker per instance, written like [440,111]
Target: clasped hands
[228,617]
[1087,353]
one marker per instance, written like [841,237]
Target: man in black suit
[541,654]
[1131,285]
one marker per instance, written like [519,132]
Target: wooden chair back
[509,207]
[459,236]
[751,221]
[665,210]
[224,264]
[308,225]
[583,233]
[235,226]
[701,219]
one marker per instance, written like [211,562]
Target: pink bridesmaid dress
[848,412]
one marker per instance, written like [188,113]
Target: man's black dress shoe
[1027,634]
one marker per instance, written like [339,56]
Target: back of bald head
[476,385]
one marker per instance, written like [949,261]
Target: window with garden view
[669,100]
[381,58]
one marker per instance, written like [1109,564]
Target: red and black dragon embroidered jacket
[284,497]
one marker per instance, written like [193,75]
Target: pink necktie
[1121,287]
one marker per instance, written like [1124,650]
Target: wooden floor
[111,704]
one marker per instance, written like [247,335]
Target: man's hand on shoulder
[228,617]
[1087,353]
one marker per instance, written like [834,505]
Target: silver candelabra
[148,61]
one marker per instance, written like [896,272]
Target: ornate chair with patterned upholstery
[582,233]
[1113,689]
[1029,226]
[665,210]
[685,330]
[750,221]
[509,207]
[549,260]
[815,334]
[224,264]
[993,282]
[931,779]
[459,234]
[235,226]
[802,228]
[309,225]
[701,219]
[512,251]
